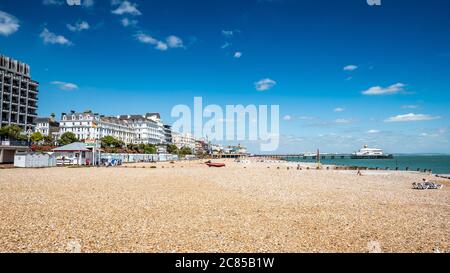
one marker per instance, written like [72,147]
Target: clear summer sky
[344,73]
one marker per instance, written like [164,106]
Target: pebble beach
[244,207]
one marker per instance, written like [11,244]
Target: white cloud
[127,22]
[84,3]
[147,39]
[8,24]
[287,118]
[411,117]
[343,121]
[378,90]
[265,84]
[52,38]
[126,7]
[225,45]
[373,131]
[174,42]
[161,46]
[88,3]
[238,55]
[53,2]
[227,33]
[350,67]
[339,109]
[78,26]
[66,86]
[410,106]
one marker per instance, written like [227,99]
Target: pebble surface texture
[188,207]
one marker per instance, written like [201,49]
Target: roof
[153,114]
[74,147]
[51,121]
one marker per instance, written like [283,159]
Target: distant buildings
[19,94]
[146,130]
[168,134]
[47,126]
[183,140]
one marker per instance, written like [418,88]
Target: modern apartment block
[93,126]
[19,94]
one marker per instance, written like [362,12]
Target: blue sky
[344,73]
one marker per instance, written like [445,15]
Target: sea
[439,164]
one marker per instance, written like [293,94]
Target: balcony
[14,143]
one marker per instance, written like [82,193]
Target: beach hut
[34,160]
[74,154]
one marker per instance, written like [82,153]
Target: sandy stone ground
[188,207]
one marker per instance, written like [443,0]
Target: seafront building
[183,140]
[93,126]
[19,94]
[148,129]
[47,126]
[131,129]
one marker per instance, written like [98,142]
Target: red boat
[216,165]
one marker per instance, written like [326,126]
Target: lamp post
[29,132]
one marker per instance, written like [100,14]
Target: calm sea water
[439,164]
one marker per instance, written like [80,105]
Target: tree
[150,149]
[36,137]
[48,140]
[12,132]
[67,138]
[172,149]
[185,151]
[111,142]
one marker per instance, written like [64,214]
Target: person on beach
[359,173]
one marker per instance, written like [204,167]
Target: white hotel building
[131,129]
[92,126]
[148,129]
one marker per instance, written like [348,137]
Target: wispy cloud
[287,118]
[66,86]
[78,26]
[265,84]
[8,24]
[373,131]
[237,55]
[391,90]
[411,117]
[147,39]
[339,109]
[174,42]
[350,67]
[52,38]
[126,8]
[410,106]
[343,121]
[128,22]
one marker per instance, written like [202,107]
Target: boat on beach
[371,153]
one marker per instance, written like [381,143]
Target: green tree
[150,149]
[48,141]
[185,151]
[67,138]
[36,137]
[172,149]
[111,142]
[13,132]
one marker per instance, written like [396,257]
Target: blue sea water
[439,164]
